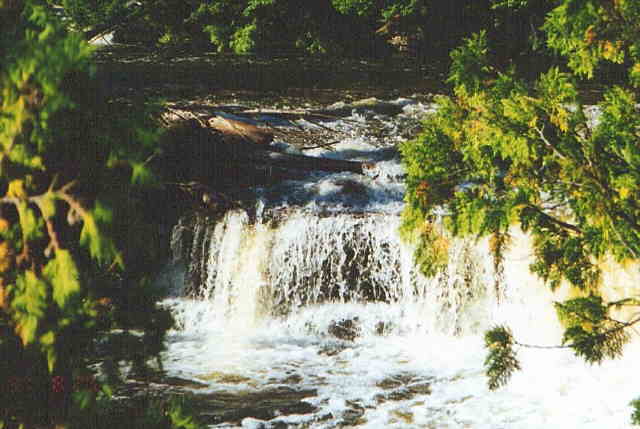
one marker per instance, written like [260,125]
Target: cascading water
[311,296]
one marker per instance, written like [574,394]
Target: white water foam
[410,339]
[278,287]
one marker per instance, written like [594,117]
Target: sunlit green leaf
[63,275]
[47,205]
[101,247]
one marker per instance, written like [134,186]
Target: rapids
[312,294]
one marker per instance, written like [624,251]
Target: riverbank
[277,82]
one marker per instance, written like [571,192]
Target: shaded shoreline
[128,71]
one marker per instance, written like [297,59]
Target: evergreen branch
[555,205]
[623,240]
[39,200]
[61,193]
[606,191]
[502,360]
[555,220]
[569,183]
[626,301]
[54,242]
[620,326]
[551,146]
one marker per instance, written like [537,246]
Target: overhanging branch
[555,220]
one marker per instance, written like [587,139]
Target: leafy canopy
[71,162]
[503,150]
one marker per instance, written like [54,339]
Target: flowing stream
[308,311]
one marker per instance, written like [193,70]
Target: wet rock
[398,395]
[378,106]
[264,405]
[401,394]
[352,187]
[405,416]
[134,386]
[346,329]
[383,328]
[181,382]
[401,387]
[420,388]
[353,415]
[331,349]
[396,380]
[221,377]
[292,379]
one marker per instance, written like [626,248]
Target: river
[307,310]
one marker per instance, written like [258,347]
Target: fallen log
[233,129]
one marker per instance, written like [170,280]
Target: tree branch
[556,221]
[620,326]
[549,144]
[63,194]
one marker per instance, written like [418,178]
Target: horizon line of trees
[337,27]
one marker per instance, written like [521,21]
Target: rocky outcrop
[224,154]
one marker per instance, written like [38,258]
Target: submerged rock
[224,378]
[384,328]
[352,416]
[401,387]
[346,329]
[395,381]
[378,106]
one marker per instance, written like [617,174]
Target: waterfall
[269,266]
[314,289]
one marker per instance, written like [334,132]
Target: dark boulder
[345,329]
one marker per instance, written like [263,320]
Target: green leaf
[107,390]
[101,247]
[635,416]
[30,224]
[63,274]
[30,295]
[52,358]
[47,205]
[141,174]
[83,398]
[27,329]
[29,304]
[48,339]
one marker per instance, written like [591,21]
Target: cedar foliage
[503,150]
[75,247]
